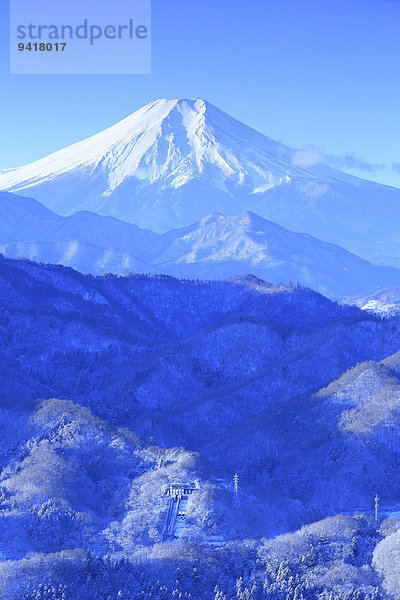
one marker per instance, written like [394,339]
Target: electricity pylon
[376,508]
[236,499]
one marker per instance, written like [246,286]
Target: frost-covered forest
[113,388]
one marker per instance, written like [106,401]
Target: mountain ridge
[217,247]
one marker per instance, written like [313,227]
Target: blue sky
[321,73]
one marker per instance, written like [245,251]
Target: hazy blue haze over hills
[217,247]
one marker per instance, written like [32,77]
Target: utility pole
[236,500]
[376,508]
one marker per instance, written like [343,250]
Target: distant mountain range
[86,241]
[174,162]
[215,248]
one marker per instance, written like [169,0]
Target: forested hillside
[113,388]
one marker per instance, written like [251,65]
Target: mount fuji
[173,162]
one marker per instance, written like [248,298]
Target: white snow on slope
[385,303]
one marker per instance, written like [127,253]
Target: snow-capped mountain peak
[173,141]
[173,162]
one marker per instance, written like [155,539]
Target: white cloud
[308,156]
